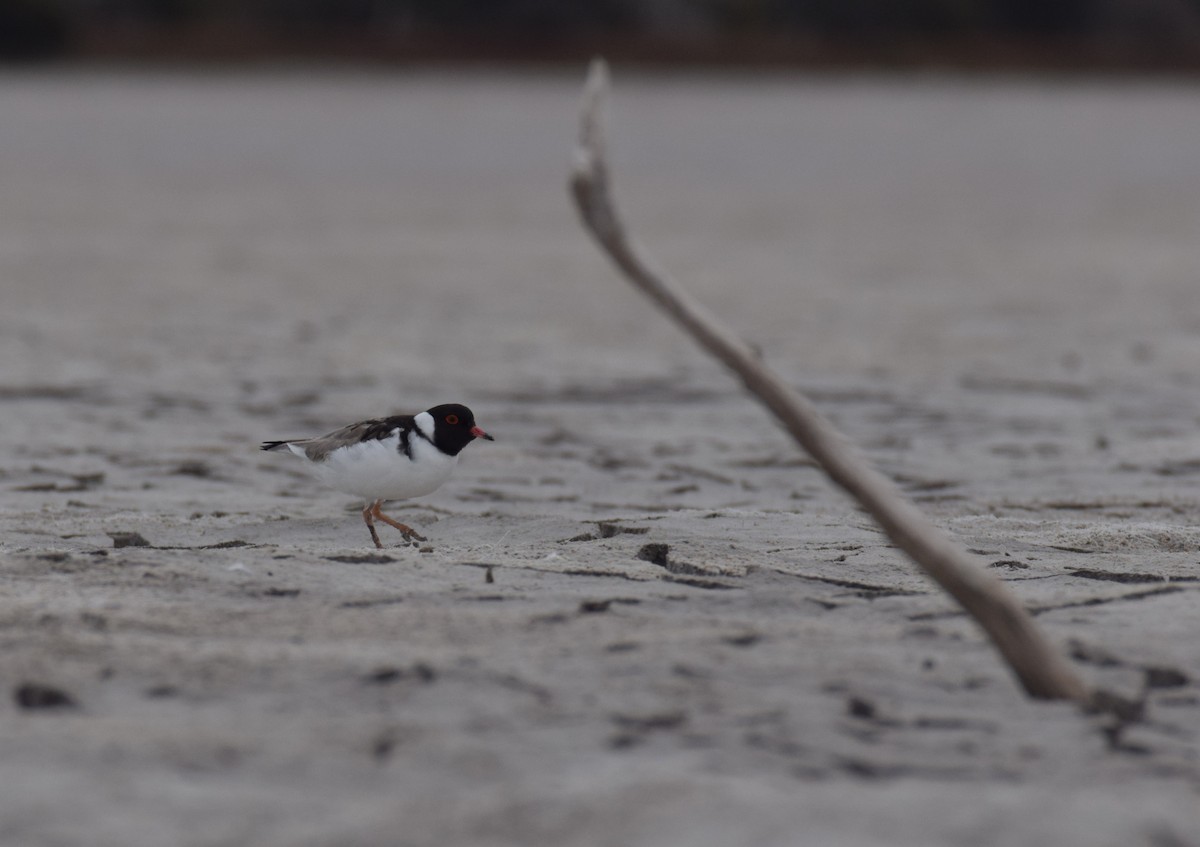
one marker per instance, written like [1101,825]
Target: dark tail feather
[273,445]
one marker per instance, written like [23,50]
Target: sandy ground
[990,285]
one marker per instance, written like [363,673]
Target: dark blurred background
[1146,35]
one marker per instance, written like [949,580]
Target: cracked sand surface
[988,286]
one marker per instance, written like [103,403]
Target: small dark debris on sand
[129,539]
[1011,564]
[655,553]
[656,721]
[281,592]
[420,672]
[382,748]
[363,559]
[746,639]
[225,545]
[193,467]
[608,529]
[36,695]
[1164,677]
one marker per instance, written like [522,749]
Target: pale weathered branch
[1042,670]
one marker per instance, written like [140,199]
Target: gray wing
[317,449]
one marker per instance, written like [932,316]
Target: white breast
[378,470]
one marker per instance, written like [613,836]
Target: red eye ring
[452,420]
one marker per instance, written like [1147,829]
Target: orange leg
[408,532]
[371,526]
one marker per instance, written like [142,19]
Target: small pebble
[128,539]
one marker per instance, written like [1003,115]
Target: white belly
[377,470]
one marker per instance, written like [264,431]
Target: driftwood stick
[1042,670]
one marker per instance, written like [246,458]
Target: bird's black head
[454,427]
